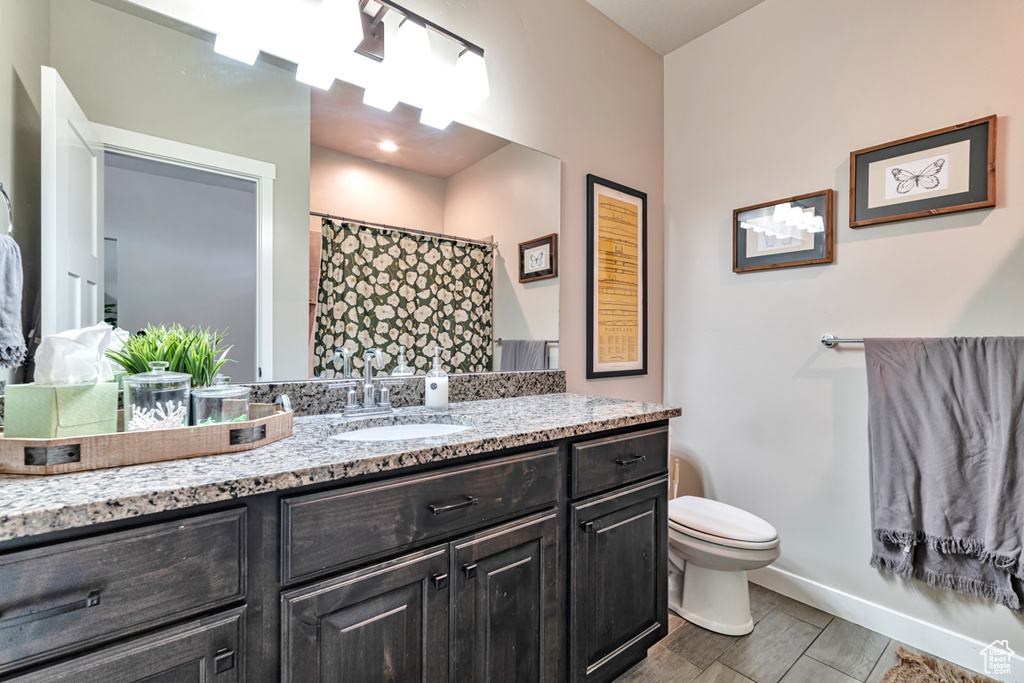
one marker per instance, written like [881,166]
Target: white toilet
[711,547]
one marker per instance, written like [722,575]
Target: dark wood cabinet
[386,623]
[506,611]
[70,596]
[207,650]
[543,563]
[618,601]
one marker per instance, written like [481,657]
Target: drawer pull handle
[469,570]
[469,501]
[626,462]
[223,660]
[90,600]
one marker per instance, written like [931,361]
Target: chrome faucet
[370,391]
[370,405]
[339,353]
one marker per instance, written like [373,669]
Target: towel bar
[831,341]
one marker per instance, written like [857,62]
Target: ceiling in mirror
[341,122]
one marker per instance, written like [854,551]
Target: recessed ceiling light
[387,146]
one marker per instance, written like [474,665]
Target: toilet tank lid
[719,519]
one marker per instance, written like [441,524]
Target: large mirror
[157,182]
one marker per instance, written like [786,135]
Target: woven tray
[81,453]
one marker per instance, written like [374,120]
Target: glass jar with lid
[157,399]
[220,403]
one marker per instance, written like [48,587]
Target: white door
[72,212]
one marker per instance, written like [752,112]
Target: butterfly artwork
[927,178]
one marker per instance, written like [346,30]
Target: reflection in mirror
[175,186]
[415,236]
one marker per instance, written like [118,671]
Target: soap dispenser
[437,384]
[402,370]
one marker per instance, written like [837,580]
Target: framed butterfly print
[796,231]
[538,259]
[953,169]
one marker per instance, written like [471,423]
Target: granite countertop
[36,505]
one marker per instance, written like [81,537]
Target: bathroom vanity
[530,546]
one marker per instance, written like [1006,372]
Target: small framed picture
[953,169]
[538,259]
[797,231]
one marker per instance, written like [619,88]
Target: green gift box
[50,412]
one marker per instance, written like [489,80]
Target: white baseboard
[954,647]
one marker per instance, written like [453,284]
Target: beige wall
[769,106]
[133,74]
[358,188]
[567,81]
[24,47]
[511,196]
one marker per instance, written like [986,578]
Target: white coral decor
[168,416]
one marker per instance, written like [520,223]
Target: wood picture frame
[755,245]
[943,171]
[616,279]
[546,250]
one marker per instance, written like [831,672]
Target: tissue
[74,357]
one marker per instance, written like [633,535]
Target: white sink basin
[400,432]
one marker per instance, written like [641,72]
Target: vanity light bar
[373,42]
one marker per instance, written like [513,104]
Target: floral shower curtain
[386,289]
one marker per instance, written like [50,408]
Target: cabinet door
[506,604]
[385,623]
[203,651]
[619,568]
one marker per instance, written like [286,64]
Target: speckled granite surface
[317,398]
[36,505]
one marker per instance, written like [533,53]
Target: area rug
[915,668]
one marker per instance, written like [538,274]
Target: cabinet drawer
[77,594]
[209,649]
[606,463]
[327,531]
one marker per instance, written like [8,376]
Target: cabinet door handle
[90,600]
[587,527]
[440,581]
[439,508]
[469,570]
[632,460]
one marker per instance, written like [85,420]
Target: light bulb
[387,146]
[236,46]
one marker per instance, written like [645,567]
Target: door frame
[142,146]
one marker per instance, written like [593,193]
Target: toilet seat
[722,541]
[716,522]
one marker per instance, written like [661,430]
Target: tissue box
[50,412]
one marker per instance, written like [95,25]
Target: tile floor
[791,643]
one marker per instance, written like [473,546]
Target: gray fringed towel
[524,354]
[12,341]
[946,434]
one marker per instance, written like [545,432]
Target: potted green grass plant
[192,350]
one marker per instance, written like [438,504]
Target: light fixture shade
[380,95]
[781,213]
[317,74]
[471,78]
[237,46]
[342,24]
[436,117]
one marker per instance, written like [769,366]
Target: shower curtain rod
[384,226]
